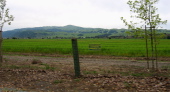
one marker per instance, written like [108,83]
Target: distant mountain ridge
[68,31]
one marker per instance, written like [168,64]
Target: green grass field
[113,47]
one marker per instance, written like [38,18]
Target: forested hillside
[69,31]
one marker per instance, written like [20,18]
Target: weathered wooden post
[76,57]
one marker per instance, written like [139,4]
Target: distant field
[113,47]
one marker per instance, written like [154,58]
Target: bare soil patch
[99,74]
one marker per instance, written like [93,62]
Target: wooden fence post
[76,57]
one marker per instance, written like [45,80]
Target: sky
[83,13]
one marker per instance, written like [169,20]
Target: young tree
[4,18]
[144,13]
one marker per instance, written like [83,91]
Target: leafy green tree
[145,17]
[4,18]
[144,13]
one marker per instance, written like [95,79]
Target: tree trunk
[1,39]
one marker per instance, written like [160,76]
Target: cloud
[85,13]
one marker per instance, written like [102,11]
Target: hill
[69,31]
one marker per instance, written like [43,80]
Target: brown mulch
[56,74]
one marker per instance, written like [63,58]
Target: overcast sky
[84,13]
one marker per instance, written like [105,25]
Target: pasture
[110,47]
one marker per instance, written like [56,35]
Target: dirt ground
[55,73]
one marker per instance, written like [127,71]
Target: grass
[48,67]
[45,67]
[90,72]
[166,67]
[113,47]
[37,46]
[11,90]
[58,81]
